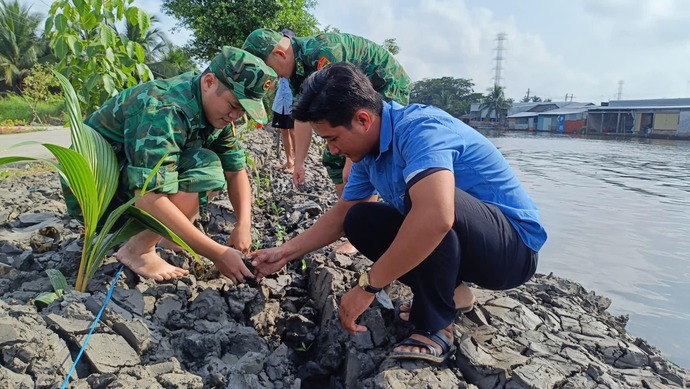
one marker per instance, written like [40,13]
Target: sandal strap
[417,343]
[437,337]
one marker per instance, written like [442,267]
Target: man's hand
[268,261]
[232,266]
[352,305]
[241,238]
[298,175]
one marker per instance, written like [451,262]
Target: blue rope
[93,326]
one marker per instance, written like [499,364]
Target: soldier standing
[295,58]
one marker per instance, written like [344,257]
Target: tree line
[104,47]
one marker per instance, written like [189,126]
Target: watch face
[363,280]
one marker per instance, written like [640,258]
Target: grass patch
[24,170]
[14,111]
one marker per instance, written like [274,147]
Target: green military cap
[262,41]
[247,76]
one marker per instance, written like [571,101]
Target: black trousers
[482,248]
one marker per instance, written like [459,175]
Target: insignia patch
[323,62]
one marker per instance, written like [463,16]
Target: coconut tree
[20,44]
[174,61]
[154,41]
[495,101]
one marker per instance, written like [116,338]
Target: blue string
[93,326]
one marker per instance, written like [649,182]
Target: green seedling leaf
[48,297]
[57,280]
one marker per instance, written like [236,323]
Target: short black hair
[334,94]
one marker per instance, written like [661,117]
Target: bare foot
[148,264]
[167,244]
[447,332]
[346,248]
[287,166]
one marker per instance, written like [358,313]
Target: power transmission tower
[500,38]
[620,89]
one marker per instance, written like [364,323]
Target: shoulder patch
[323,62]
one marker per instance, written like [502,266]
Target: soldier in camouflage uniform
[298,57]
[295,58]
[189,118]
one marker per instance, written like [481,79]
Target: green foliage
[20,45]
[495,101]
[276,210]
[453,95]
[37,89]
[97,60]
[294,15]
[91,171]
[330,28]
[173,62]
[59,283]
[281,234]
[304,347]
[13,107]
[227,23]
[14,110]
[153,40]
[391,45]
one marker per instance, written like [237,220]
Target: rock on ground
[201,331]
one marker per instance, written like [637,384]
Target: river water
[618,217]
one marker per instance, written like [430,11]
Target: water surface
[618,217]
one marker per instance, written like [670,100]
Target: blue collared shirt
[283,100]
[419,137]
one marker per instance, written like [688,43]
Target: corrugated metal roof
[639,108]
[524,115]
[681,102]
[566,111]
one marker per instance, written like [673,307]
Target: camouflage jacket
[148,120]
[384,71]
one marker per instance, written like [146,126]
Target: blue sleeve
[358,184]
[425,142]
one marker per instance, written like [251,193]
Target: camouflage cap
[262,41]
[247,76]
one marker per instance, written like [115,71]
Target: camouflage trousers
[198,171]
[334,166]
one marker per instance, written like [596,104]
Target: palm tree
[154,41]
[174,61]
[495,101]
[20,45]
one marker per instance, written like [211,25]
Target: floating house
[655,117]
[569,119]
[545,116]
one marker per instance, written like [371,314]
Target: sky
[553,48]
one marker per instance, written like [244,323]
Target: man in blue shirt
[454,211]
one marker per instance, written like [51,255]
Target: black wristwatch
[364,284]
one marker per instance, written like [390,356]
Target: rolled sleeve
[148,137]
[230,151]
